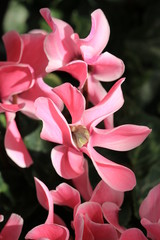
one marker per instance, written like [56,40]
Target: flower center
[80,135]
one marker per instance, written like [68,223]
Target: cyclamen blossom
[81,136]
[83,58]
[20,85]
[48,230]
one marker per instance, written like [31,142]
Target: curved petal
[122,138]
[33,46]
[107,67]
[132,234]
[110,212]
[82,183]
[48,231]
[116,176]
[112,102]
[39,89]
[150,208]
[10,39]
[102,231]
[14,144]
[98,37]
[45,199]
[15,79]
[104,193]
[78,69]
[153,229]
[58,45]
[96,93]
[92,210]
[55,127]
[13,228]
[4,107]
[67,161]
[66,195]
[73,99]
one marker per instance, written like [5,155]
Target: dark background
[135,38]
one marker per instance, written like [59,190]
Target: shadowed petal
[132,234]
[55,127]
[150,208]
[116,176]
[14,144]
[82,183]
[104,193]
[39,89]
[107,68]
[15,79]
[73,99]
[48,231]
[13,228]
[45,199]
[110,212]
[78,69]
[4,107]
[66,195]
[10,39]
[67,161]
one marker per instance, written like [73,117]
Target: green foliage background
[135,38]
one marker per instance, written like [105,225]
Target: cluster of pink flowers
[30,57]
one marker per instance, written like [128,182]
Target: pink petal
[92,210]
[4,107]
[48,231]
[116,176]
[11,39]
[1,218]
[150,208]
[14,144]
[39,89]
[112,102]
[153,229]
[45,199]
[13,228]
[132,234]
[78,69]
[73,99]
[102,231]
[55,127]
[110,212]
[104,193]
[122,138]
[107,68]
[82,183]
[58,45]
[98,37]
[67,161]
[96,93]
[66,195]
[15,79]
[33,43]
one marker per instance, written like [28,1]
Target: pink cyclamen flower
[48,230]
[83,58]
[20,86]
[12,228]
[149,212]
[81,136]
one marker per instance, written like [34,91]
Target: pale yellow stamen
[80,135]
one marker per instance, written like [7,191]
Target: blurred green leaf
[15,17]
